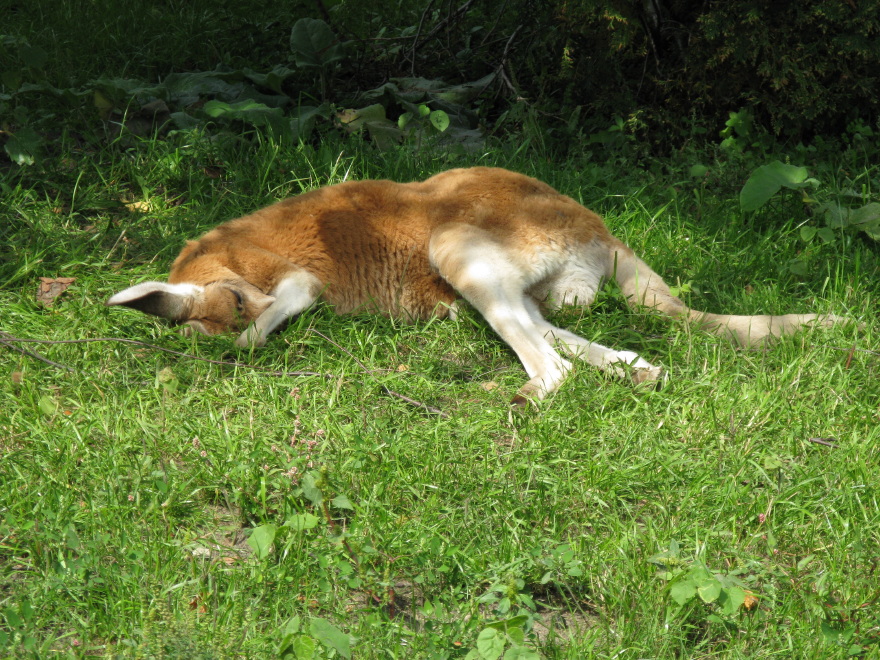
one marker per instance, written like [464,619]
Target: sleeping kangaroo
[508,244]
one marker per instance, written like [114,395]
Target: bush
[802,68]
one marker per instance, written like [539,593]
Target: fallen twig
[372,373]
[827,442]
[8,340]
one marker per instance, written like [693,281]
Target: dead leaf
[139,207]
[157,107]
[51,288]
[197,604]
[212,171]
[750,602]
[402,367]
[489,385]
[17,377]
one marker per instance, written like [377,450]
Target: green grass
[139,488]
[129,491]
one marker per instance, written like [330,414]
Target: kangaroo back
[508,244]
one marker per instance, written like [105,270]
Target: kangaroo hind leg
[607,359]
[486,273]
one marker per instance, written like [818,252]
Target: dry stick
[500,68]
[828,442]
[8,340]
[372,373]
[849,357]
[442,24]
[416,39]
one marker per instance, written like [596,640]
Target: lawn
[361,486]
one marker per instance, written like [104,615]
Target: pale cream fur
[508,244]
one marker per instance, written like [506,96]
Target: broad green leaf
[314,45]
[521,653]
[26,611]
[23,147]
[12,618]
[384,133]
[303,647]
[709,590]
[768,180]
[33,56]
[440,120]
[829,634]
[404,119]
[772,462]
[799,267]
[867,218]
[461,94]
[185,121]
[490,644]
[261,540]
[237,110]
[682,592]
[299,523]
[311,489]
[292,626]
[808,233]
[302,123]
[826,234]
[697,171]
[250,111]
[516,635]
[733,598]
[330,636]
[273,79]
[342,502]
[187,88]
[71,538]
[505,625]
[48,405]
[355,119]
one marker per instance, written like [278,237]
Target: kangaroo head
[227,305]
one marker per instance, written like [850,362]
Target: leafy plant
[846,212]
[315,47]
[692,581]
[504,637]
[300,642]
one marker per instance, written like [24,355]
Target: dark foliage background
[667,71]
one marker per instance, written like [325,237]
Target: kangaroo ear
[171,301]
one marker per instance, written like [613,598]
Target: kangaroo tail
[642,287]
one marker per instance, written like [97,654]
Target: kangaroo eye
[239,301]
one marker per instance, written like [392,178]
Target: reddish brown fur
[329,231]
[505,242]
